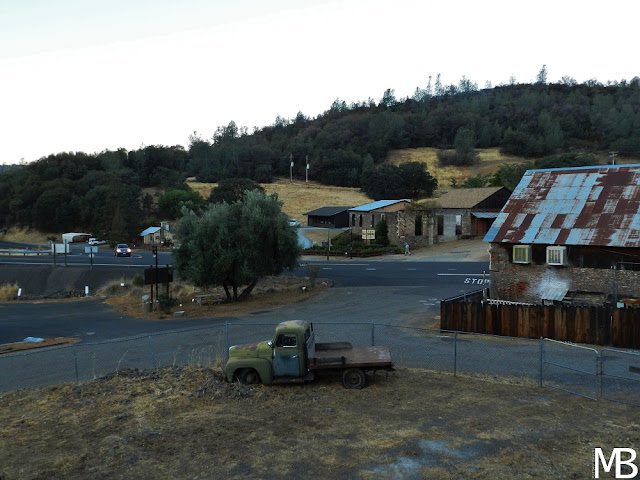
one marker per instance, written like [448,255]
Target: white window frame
[557,255]
[522,250]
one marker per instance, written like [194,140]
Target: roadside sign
[368,234]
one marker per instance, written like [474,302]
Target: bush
[8,292]
[138,280]
[166,302]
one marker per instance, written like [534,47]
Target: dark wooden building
[329,217]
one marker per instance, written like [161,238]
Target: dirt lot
[411,424]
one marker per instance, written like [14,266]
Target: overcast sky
[83,75]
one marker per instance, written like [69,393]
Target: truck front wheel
[248,376]
[353,378]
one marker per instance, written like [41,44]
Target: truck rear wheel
[248,376]
[353,378]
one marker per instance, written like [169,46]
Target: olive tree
[234,245]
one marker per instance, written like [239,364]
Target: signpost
[368,234]
[91,251]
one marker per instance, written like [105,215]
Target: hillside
[300,197]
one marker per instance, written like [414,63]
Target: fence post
[455,353]
[373,334]
[153,355]
[541,360]
[226,340]
[75,361]
[599,375]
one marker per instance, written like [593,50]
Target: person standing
[406,249]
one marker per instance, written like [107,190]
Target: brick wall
[527,282]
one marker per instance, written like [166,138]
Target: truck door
[286,356]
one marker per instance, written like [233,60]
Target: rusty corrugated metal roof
[596,206]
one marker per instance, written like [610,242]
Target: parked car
[94,241]
[122,250]
[293,222]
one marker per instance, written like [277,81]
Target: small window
[373,220]
[360,221]
[556,255]
[418,226]
[458,224]
[522,254]
[440,220]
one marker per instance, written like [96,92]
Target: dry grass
[490,160]
[25,235]
[300,197]
[186,422]
[8,292]
[269,293]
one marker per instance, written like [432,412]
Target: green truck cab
[293,356]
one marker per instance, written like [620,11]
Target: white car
[93,241]
[293,223]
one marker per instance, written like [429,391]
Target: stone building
[569,236]
[469,212]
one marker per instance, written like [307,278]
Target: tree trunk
[226,290]
[235,292]
[247,291]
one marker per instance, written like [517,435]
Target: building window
[522,254]
[373,220]
[353,219]
[458,224]
[556,255]
[440,219]
[418,225]
[360,221]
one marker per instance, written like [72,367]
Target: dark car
[122,250]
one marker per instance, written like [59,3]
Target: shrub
[138,280]
[8,292]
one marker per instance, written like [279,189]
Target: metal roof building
[591,206]
[369,207]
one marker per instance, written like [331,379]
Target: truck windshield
[286,340]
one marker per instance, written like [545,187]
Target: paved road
[381,291]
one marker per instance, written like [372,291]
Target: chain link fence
[620,376]
[609,374]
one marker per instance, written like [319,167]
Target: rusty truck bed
[343,355]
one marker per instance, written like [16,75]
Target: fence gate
[620,376]
[570,368]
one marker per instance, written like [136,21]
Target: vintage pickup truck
[293,356]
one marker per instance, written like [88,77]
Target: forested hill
[346,146]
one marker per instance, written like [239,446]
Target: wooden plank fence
[618,327]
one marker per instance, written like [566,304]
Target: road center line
[461,274]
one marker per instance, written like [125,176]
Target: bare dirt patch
[46,342]
[411,424]
[270,293]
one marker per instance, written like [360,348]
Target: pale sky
[82,75]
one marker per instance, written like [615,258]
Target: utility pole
[307,171]
[291,168]
[613,156]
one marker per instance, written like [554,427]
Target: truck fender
[260,365]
